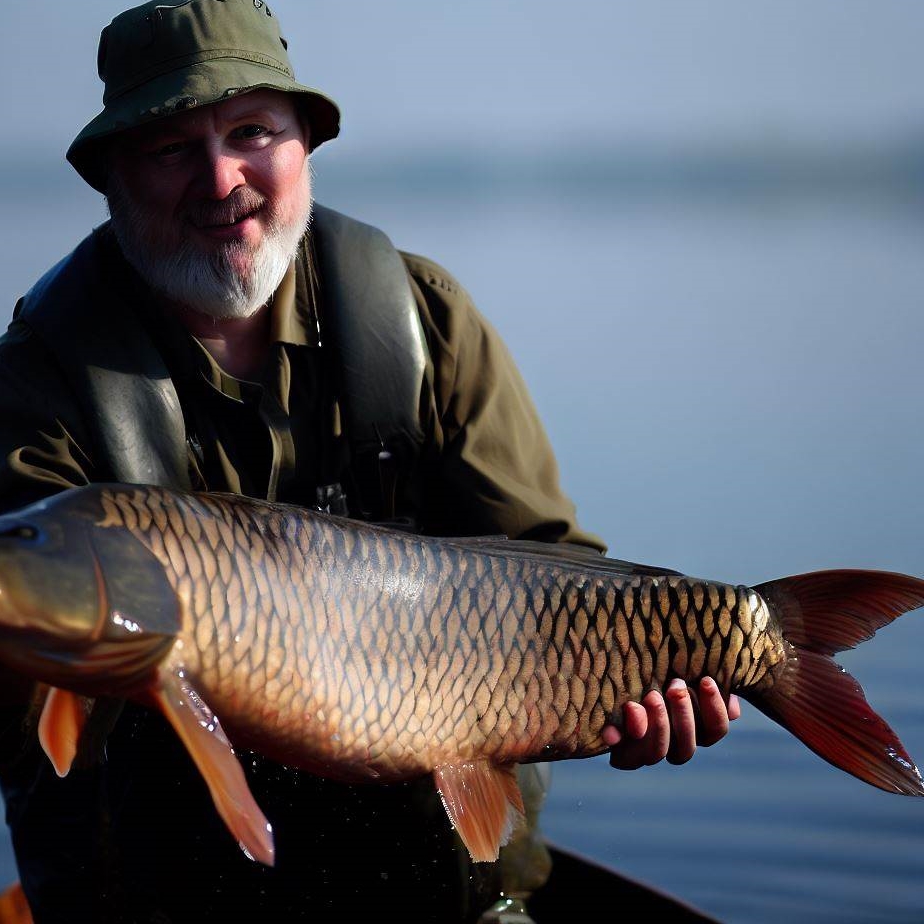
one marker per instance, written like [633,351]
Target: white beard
[209,283]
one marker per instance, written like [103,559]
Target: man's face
[209,204]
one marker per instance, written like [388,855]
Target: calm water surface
[734,390]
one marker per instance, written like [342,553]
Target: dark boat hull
[578,883]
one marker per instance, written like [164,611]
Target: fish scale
[556,626]
[363,653]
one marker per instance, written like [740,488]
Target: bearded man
[217,335]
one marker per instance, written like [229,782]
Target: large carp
[361,653]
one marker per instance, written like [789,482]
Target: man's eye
[251,131]
[168,150]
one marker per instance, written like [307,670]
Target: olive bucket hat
[161,58]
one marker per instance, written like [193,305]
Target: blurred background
[699,228]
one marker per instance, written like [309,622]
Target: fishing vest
[129,402]
[133,420]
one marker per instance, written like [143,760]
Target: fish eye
[20,531]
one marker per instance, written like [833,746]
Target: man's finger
[683,723]
[635,721]
[714,716]
[628,745]
[734,707]
[658,736]
[634,747]
[652,730]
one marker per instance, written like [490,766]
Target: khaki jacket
[89,393]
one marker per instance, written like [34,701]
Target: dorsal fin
[564,554]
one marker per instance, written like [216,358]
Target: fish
[363,653]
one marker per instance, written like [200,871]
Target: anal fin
[483,802]
[60,724]
[208,746]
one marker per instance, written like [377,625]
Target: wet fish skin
[63,616]
[369,653]
[361,653]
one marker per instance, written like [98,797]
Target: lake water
[733,381]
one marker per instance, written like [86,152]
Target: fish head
[84,604]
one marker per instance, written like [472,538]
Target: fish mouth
[113,668]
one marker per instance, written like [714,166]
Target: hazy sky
[527,75]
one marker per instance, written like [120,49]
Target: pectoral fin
[62,720]
[201,732]
[483,802]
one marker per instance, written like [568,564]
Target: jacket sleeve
[494,470]
[40,442]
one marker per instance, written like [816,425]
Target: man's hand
[653,729]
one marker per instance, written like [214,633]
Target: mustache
[242,201]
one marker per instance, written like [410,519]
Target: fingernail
[708,685]
[677,684]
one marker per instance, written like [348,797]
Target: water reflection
[734,390]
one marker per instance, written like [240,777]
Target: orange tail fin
[817,700]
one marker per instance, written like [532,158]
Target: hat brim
[188,88]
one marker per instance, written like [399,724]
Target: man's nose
[221,172]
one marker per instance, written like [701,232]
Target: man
[203,340]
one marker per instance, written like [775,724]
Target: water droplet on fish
[125,622]
[907,764]
[237,638]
